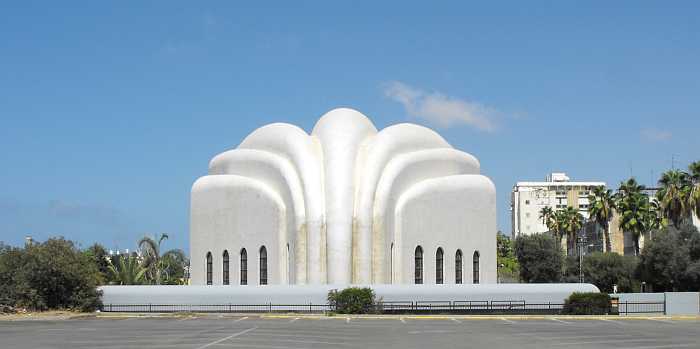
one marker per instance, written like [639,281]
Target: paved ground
[218,331]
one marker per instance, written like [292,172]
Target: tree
[127,271]
[160,268]
[694,195]
[671,259]
[674,196]
[572,221]
[635,210]
[539,257]
[607,269]
[601,208]
[508,267]
[100,258]
[547,215]
[51,275]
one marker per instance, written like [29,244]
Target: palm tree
[157,265]
[673,195]
[635,210]
[557,225]
[694,196]
[601,208]
[128,271]
[546,215]
[572,223]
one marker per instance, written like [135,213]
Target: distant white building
[557,192]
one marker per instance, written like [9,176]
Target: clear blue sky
[110,110]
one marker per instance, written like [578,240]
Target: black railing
[510,307]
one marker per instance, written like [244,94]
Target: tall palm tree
[546,215]
[557,225]
[635,210]
[694,196]
[156,264]
[673,195]
[572,223]
[127,271]
[601,208]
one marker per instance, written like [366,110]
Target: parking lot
[222,331]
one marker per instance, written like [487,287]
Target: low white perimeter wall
[317,294]
[676,303]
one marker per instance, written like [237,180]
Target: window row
[244,267]
[440,266]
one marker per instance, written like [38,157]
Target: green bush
[539,257]
[587,303]
[353,300]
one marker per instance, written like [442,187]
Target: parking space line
[661,320]
[297,341]
[455,320]
[241,319]
[302,336]
[613,321]
[347,320]
[558,320]
[402,320]
[227,338]
[508,321]
[294,319]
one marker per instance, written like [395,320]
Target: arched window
[244,267]
[209,267]
[458,267]
[263,265]
[225,269]
[439,266]
[475,267]
[419,265]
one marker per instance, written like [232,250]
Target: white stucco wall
[454,212]
[231,212]
[335,199]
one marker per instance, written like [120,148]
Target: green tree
[601,209]
[51,275]
[572,221]
[127,271]
[674,196]
[636,214]
[508,268]
[607,269]
[539,257]
[100,258]
[694,195]
[671,259]
[160,268]
[547,215]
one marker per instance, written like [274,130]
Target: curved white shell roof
[341,185]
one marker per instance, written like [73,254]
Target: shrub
[352,300]
[587,303]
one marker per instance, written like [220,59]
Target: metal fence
[510,307]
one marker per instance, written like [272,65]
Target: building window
[527,202]
[209,267]
[475,267]
[419,265]
[225,269]
[439,266]
[244,267]
[263,265]
[458,267]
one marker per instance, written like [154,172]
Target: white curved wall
[338,198]
[454,212]
[231,212]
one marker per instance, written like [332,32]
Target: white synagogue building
[346,204]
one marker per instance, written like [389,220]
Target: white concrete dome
[346,204]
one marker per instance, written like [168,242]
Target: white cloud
[656,135]
[445,111]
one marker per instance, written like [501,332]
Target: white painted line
[301,336]
[557,320]
[455,320]
[296,341]
[241,319]
[402,320]
[613,321]
[294,319]
[661,320]
[347,320]
[507,321]
[611,341]
[227,338]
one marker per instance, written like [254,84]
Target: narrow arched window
[244,267]
[263,265]
[458,267]
[225,268]
[475,267]
[419,265]
[209,268]
[439,266]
